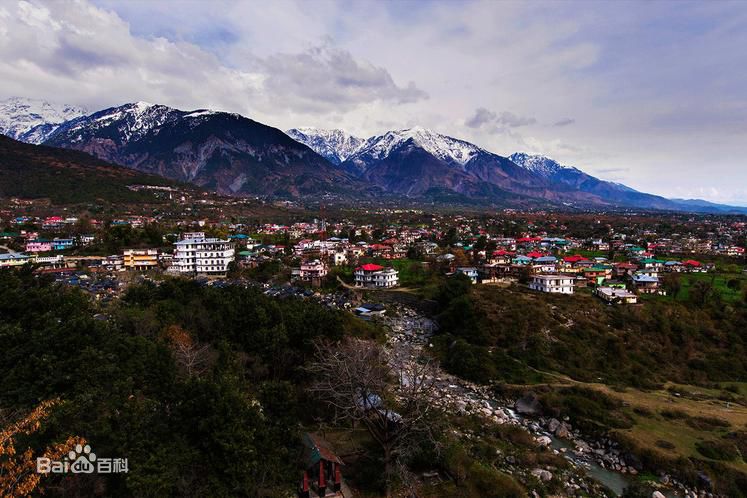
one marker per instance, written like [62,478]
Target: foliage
[18,476]
[230,428]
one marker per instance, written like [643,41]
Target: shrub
[718,450]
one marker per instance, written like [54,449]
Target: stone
[552,426]
[657,494]
[542,474]
[562,431]
[544,441]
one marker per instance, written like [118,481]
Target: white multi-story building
[561,284]
[371,275]
[198,255]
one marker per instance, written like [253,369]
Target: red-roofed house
[371,275]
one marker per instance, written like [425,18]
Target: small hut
[322,477]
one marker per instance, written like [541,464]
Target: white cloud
[660,91]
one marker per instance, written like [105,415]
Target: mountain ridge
[222,151]
[33,120]
[235,155]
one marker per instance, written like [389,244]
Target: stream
[414,330]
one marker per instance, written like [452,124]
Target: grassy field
[673,421]
[720,281]
[411,273]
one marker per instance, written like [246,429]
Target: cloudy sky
[652,94]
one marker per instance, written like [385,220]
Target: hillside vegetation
[66,177]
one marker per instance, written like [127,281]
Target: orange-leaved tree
[18,475]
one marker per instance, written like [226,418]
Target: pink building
[38,246]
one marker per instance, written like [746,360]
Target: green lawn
[720,282]
[411,273]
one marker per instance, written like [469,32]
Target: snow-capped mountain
[333,145]
[32,120]
[218,150]
[442,147]
[416,161]
[538,164]
[232,154]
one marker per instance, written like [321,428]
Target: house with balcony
[200,255]
[556,284]
[647,284]
[376,276]
[38,245]
[140,259]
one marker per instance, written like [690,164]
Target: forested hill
[66,176]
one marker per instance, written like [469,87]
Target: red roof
[501,252]
[370,267]
[535,254]
[691,262]
[528,239]
[575,258]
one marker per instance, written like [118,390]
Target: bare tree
[190,354]
[393,395]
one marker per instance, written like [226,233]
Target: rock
[552,426]
[657,494]
[542,474]
[544,441]
[562,431]
[528,404]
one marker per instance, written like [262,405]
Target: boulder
[562,431]
[542,474]
[657,494]
[553,425]
[544,441]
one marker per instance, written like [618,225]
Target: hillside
[65,176]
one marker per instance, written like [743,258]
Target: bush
[718,450]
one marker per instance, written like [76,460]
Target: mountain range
[220,151]
[234,155]
[32,120]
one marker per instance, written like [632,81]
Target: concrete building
[376,276]
[198,255]
[470,272]
[616,295]
[560,284]
[311,271]
[140,259]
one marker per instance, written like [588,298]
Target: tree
[391,394]
[18,475]
[672,283]
[188,353]
[702,292]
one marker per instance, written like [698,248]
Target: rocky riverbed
[594,461]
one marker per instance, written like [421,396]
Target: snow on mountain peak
[334,145]
[447,149]
[133,120]
[32,120]
[539,164]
